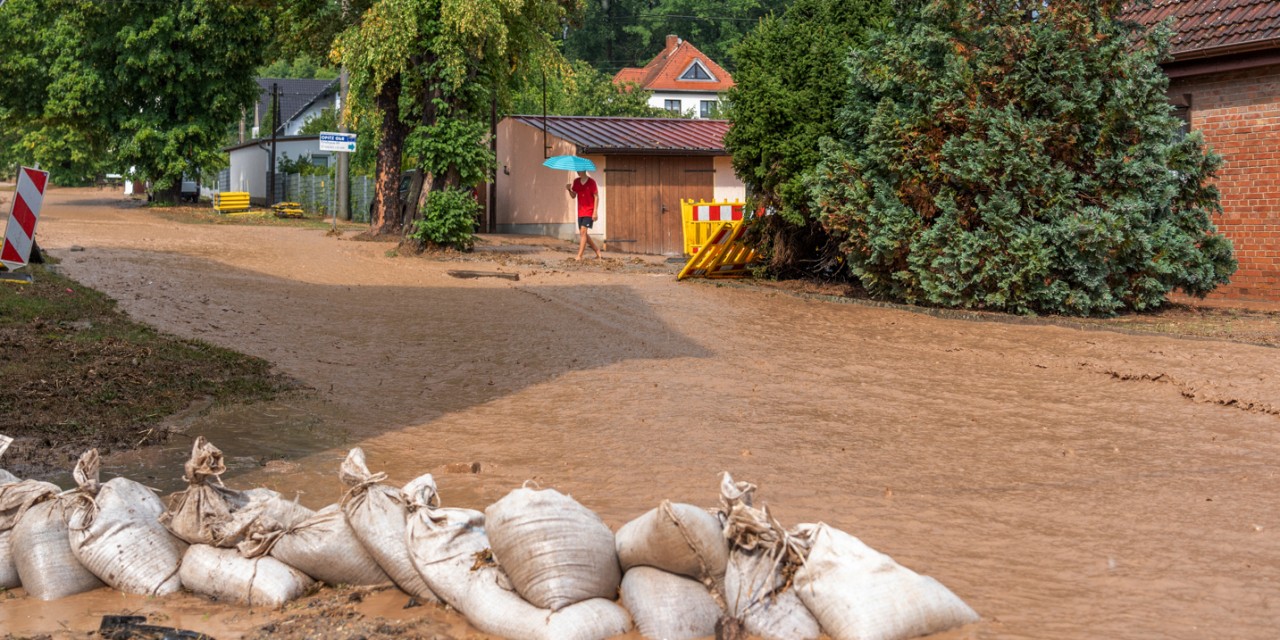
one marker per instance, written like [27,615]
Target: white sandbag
[6,477]
[15,498]
[677,538]
[202,513]
[757,592]
[325,548]
[42,552]
[758,589]
[376,513]
[193,511]
[450,549]
[116,533]
[225,575]
[8,570]
[556,551]
[666,606]
[254,527]
[858,593]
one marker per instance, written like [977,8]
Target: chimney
[673,41]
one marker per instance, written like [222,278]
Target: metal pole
[344,159]
[275,126]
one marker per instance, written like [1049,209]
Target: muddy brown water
[1066,484]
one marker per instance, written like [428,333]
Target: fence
[318,194]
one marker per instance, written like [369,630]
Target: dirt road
[1066,484]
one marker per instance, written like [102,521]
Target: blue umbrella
[569,163]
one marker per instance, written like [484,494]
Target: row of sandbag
[535,564]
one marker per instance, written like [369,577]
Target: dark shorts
[585,222]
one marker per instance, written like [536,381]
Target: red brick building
[1225,80]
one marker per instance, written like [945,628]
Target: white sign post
[340,142]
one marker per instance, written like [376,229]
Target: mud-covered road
[1064,483]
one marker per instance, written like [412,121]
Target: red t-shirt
[586,194]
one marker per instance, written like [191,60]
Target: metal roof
[1205,27]
[671,136]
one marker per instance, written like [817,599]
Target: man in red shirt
[583,189]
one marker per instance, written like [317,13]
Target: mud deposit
[1065,483]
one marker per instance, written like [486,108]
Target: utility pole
[275,126]
[344,159]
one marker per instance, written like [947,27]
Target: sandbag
[556,551]
[15,498]
[225,575]
[758,589]
[451,551]
[677,538]
[8,570]
[42,552]
[666,606]
[116,533]
[202,513]
[325,548]
[376,513]
[6,477]
[757,592]
[858,593]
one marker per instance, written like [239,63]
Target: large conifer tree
[1020,156]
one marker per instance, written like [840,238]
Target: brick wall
[1239,115]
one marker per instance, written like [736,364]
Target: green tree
[300,66]
[612,34]
[326,120]
[1020,157]
[580,90]
[132,83]
[431,68]
[789,89]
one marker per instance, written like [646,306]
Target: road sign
[19,234]
[341,142]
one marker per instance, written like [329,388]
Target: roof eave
[632,151]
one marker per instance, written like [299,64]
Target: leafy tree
[579,90]
[301,66]
[1022,157]
[147,85]
[789,88]
[326,120]
[626,33]
[431,68]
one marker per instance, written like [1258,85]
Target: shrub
[449,219]
[1019,157]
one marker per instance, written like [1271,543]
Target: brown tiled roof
[664,71]
[1205,27]
[635,135]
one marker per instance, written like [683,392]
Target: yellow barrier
[724,255]
[287,209]
[702,218]
[231,201]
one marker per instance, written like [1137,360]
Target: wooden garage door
[644,194]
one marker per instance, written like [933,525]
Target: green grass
[76,372]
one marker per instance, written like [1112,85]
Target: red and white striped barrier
[20,233]
[717,212]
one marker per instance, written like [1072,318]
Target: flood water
[1064,483]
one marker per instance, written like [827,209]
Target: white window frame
[711,77]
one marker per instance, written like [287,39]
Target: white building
[682,79]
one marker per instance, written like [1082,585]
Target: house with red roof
[682,79]
[1224,80]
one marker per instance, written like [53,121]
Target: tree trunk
[387,217]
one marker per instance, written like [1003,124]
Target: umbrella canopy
[569,163]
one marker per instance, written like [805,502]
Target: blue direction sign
[343,142]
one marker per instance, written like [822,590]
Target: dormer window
[697,72]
